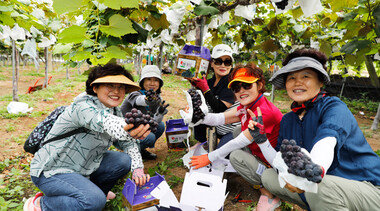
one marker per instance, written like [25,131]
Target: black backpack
[36,139]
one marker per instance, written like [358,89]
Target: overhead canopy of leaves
[117,4]
[73,34]
[204,9]
[352,46]
[118,26]
[65,6]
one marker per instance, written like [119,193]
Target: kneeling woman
[77,172]
[326,128]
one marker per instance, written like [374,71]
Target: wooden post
[46,51]
[14,72]
[162,44]
[67,72]
[200,30]
[376,121]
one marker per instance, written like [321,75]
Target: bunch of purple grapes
[299,163]
[281,4]
[136,117]
[151,95]
[197,102]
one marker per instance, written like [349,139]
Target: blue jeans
[73,191]
[151,139]
[224,139]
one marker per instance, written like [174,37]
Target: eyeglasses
[219,61]
[235,87]
[113,87]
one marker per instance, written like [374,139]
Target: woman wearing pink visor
[248,84]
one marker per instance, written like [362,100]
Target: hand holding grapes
[299,163]
[256,127]
[141,132]
[152,99]
[196,102]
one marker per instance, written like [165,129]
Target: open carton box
[137,198]
[203,189]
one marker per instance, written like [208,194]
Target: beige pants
[334,193]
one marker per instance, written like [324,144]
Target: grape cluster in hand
[299,163]
[281,4]
[151,95]
[197,102]
[136,117]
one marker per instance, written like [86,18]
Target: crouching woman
[77,172]
[326,128]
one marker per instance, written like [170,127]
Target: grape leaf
[339,5]
[204,9]
[63,6]
[81,55]
[117,4]
[350,47]
[62,48]
[118,26]
[73,34]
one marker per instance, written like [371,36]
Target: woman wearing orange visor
[248,84]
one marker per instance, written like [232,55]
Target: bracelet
[206,91]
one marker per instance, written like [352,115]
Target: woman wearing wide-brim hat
[77,172]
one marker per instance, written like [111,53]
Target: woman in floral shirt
[77,172]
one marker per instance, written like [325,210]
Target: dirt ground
[24,125]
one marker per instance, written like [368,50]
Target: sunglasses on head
[235,87]
[219,61]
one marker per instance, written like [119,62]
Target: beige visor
[118,79]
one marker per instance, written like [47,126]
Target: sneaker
[30,203]
[146,155]
[110,195]
[267,204]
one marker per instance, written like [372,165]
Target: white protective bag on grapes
[285,177]
[188,115]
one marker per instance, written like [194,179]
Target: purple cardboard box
[137,198]
[176,133]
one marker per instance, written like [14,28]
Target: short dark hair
[253,70]
[104,70]
[308,52]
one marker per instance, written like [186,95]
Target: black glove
[153,100]
[258,133]
[161,111]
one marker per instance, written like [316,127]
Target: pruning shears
[239,199]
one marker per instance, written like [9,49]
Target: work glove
[201,84]
[258,132]
[161,111]
[140,177]
[153,100]
[199,161]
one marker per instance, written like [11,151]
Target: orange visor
[241,75]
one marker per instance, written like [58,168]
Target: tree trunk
[372,71]
[200,30]
[67,72]
[46,67]
[162,44]
[149,57]
[78,65]
[376,121]
[14,72]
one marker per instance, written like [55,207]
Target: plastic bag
[187,114]
[285,177]
[17,107]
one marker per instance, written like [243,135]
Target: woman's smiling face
[248,96]
[110,94]
[222,69]
[303,85]
[151,83]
